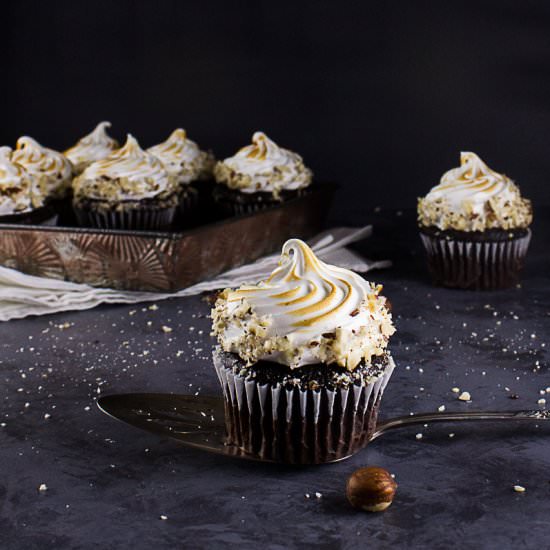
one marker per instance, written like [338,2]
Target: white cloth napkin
[22,295]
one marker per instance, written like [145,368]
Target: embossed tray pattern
[159,261]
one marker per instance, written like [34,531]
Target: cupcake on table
[95,146]
[53,172]
[302,360]
[186,164]
[129,189]
[475,227]
[258,176]
[18,202]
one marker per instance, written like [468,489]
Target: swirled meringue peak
[127,174]
[52,170]
[306,312]
[182,158]
[95,146]
[15,185]
[473,197]
[263,167]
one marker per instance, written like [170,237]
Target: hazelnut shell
[371,489]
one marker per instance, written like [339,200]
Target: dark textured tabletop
[108,485]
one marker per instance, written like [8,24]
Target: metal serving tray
[160,261]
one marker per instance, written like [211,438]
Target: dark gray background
[379,96]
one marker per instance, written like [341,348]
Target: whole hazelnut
[372,489]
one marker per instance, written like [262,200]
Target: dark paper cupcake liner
[475,264]
[188,199]
[146,218]
[45,215]
[64,209]
[188,208]
[231,202]
[297,426]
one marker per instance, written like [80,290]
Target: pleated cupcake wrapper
[487,265]
[188,199]
[240,209]
[139,218]
[250,206]
[50,221]
[41,216]
[299,426]
[64,209]
[188,207]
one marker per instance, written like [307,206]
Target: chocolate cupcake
[53,172]
[259,176]
[302,360]
[129,189]
[95,146]
[18,204]
[187,165]
[475,227]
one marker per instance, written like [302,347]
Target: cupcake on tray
[129,189]
[259,176]
[53,172]
[475,227]
[95,146]
[302,360]
[18,204]
[186,164]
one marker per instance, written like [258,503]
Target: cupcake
[129,189]
[258,176]
[95,146]
[186,164]
[53,172]
[302,360]
[18,204]
[475,227]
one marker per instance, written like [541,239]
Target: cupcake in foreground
[129,189]
[186,164]
[258,176]
[302,360]
[18,204]
[95,146]
[475,227]
[53,172]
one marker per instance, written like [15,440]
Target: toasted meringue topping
[473,197]
[95,146]
[182,158]
[305,312]
[263,167]
[129,173]
[15,186]
[52,170]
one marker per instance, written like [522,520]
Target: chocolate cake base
[476,260]
[300,418]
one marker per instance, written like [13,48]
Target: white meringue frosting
[264,167]
[52,170]
[15,185]
[473,197]
[306,312]
[182,158]
[129,173]
[95,146]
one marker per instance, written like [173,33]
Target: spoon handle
[405,421]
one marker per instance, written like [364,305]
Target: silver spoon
[198,421]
